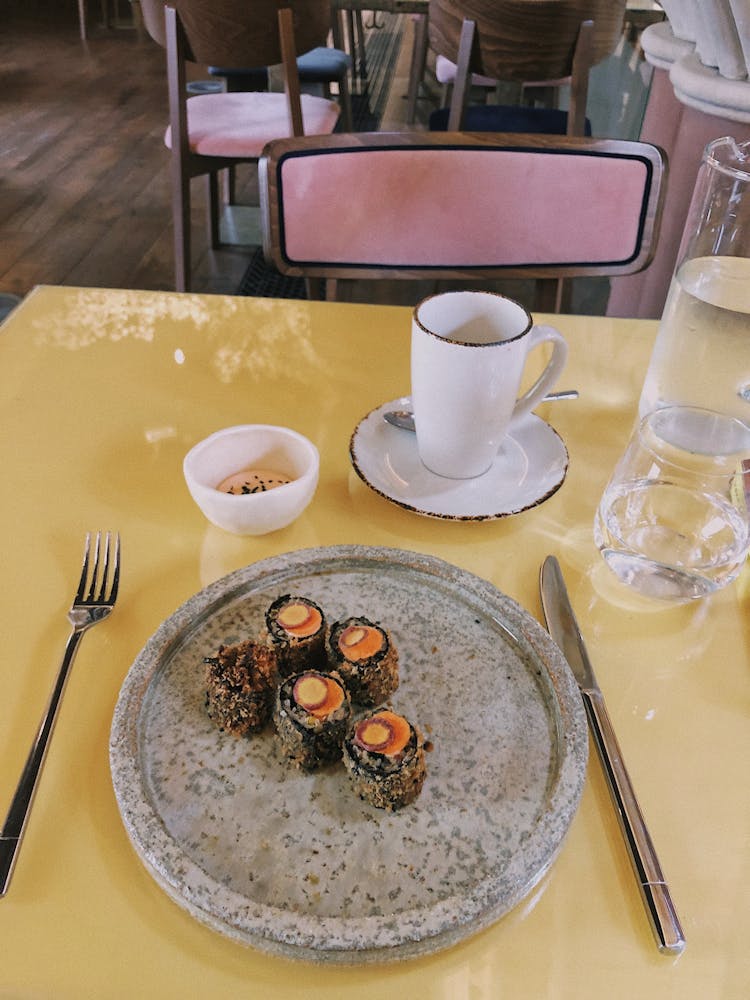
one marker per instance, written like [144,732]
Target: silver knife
[563,627]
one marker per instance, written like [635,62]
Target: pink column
[683,133]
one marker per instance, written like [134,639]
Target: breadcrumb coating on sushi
[240,687]
[295,630]
[385,780]
[369,668]
[313,736]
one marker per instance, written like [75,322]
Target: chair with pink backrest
[210,132]
[460,206]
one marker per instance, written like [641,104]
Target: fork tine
[95,568]
[105,571]
[116,573]
[85,569]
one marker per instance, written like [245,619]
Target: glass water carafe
[702,352]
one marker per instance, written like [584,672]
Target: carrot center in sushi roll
[385,733]
[299,620]
[318,695]
[360,642]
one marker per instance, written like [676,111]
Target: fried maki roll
[240,687]
[384,755]
[364,655]
[296,632]
[311,716]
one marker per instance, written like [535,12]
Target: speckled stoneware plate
[530,467]
[294,863]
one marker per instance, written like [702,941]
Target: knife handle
[654,889]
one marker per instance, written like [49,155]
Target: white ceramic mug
[468,351]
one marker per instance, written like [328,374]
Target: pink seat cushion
[239,125]
[445,72]
[461,207]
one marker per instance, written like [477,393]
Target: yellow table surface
[101,394]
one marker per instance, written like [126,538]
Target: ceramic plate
[295,863]
[530,467]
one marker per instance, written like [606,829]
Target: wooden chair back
[581,61]
[238,33]
[459,205]
[552,41]
[152,13]
[525,40]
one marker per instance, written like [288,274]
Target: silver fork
[89,607]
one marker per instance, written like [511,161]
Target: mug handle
[541,335]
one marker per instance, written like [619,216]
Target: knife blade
[563,627]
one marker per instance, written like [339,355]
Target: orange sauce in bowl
[252,481]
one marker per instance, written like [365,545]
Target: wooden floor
[84,185]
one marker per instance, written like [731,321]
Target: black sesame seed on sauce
[248,481]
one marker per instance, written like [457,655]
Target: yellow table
[102,393]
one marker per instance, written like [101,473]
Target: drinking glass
[673,519]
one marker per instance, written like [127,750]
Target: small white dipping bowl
[260,446]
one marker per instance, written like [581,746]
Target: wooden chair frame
[185,165]
[377,240]
[224,33]
[583,60]
[539,42]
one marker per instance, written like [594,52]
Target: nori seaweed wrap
[363,653]
[296,632]
[311,716]
[240,687]
[384,756]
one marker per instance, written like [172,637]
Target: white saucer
[530,467]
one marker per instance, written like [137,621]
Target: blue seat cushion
[323,64]
[507,118]
[320,65]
